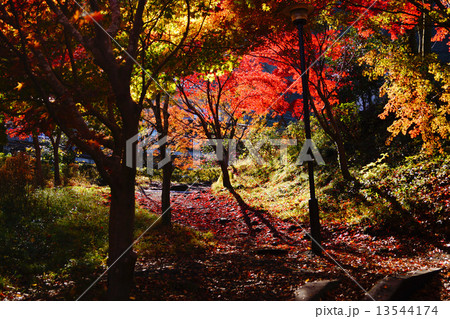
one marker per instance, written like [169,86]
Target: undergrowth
[54,241]
[406,195]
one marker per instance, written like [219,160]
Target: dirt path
[241,267]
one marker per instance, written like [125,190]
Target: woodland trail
[242,267]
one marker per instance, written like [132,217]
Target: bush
[73,174]
[69,172]
[16,176]
[420,184]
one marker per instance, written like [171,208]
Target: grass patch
[54,244]
[175,241]
[60,233]
[418,185]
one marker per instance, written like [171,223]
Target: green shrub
[420,184]
[61,244]
[75,174]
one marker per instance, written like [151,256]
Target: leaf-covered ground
[241,267]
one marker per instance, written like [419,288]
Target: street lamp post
[299,15]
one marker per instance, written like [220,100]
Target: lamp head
[298,13]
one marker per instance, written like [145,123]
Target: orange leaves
[93,143]
[85,17]
[419,103]
[96,16]
[440,35]
[19,86]
[35,44]
[76,16]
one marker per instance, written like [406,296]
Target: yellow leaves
[211,76]
[81,108]
[265,7]
[418,92]
[440,125]
[19,86]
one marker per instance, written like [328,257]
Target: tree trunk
[121,257]
[342,157]
[39,178]
[246,208]
[55,145]
[3,137]
[226,180]
[166,217]
[332,129]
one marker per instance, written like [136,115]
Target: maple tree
[206,46]
[86,83]
[278,47]
[162,127]
[332,53]
[416,82]
[103,64]
[22,32]
[222,106]
[418,96]
[329,62]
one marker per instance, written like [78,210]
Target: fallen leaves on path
[236,269]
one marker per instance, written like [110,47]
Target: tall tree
[204,47]
[86,74]
[222,105]
[329,63]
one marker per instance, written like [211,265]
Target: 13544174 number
[404,310]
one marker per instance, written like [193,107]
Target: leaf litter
[234,268]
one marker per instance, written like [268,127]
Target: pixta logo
[139,149]
[308,153]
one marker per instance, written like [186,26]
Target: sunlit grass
[421,191]
[284,192]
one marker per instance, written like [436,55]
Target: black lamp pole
[299,15]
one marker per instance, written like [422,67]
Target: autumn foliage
[104,72]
